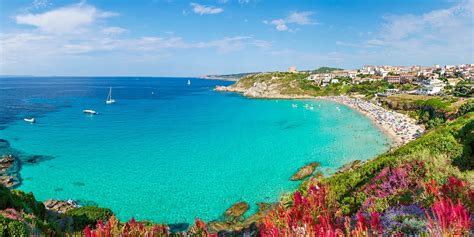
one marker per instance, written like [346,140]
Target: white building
[431,87]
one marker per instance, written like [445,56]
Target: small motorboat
[89,111]
[294,105]
[30,120]
[189,82]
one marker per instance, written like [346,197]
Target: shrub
[312,213]
[12,227]
[404,220]
[448,219]
[466,108]
[393,186]
[131,228]
[88,215]
[20,200]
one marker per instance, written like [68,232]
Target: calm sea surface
[169,152]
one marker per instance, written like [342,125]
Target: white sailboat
[189,82]
[109,97]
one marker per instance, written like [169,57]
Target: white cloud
[280,24]
[300,18]
[202,9]
[297,18]
[435,37]
[114,30]
[70,19]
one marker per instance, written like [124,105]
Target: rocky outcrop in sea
[9,171]
[305,171]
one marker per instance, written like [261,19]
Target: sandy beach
[399,127]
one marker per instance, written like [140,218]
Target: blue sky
[191,38]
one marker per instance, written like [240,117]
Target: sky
[199,37]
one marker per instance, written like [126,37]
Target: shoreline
[400,128]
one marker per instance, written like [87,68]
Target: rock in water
[6,162]
[236,210]
[305,171]
[9,168]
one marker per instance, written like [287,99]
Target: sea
[167,151]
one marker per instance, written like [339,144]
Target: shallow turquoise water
[180,152]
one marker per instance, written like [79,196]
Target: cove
[169,152]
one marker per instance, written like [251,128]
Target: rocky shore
[262,90]
[60,206]
[9,171]
[234,223]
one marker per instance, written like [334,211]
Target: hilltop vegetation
[326,70]
[430,110]
[287,85]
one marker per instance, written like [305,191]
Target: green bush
[88,215]
[466,108]
[13,228]
[20,200]
[28,203]
[435,122]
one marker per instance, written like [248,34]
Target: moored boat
[30,120]
[89,111]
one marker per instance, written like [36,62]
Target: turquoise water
[168,152]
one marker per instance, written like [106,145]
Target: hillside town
[432,80]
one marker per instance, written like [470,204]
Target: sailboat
[189,82]
[109,97]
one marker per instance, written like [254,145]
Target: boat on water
[294,105]
[109,97]
[89,111]
[30,120]
[189,82]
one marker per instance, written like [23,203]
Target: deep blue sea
[169,152]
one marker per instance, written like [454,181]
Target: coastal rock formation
[60,206]
[236,210]
[6,162]
[350,166]
[233,227]
[305,171]
[9,168]
[8,181]
[262,90]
